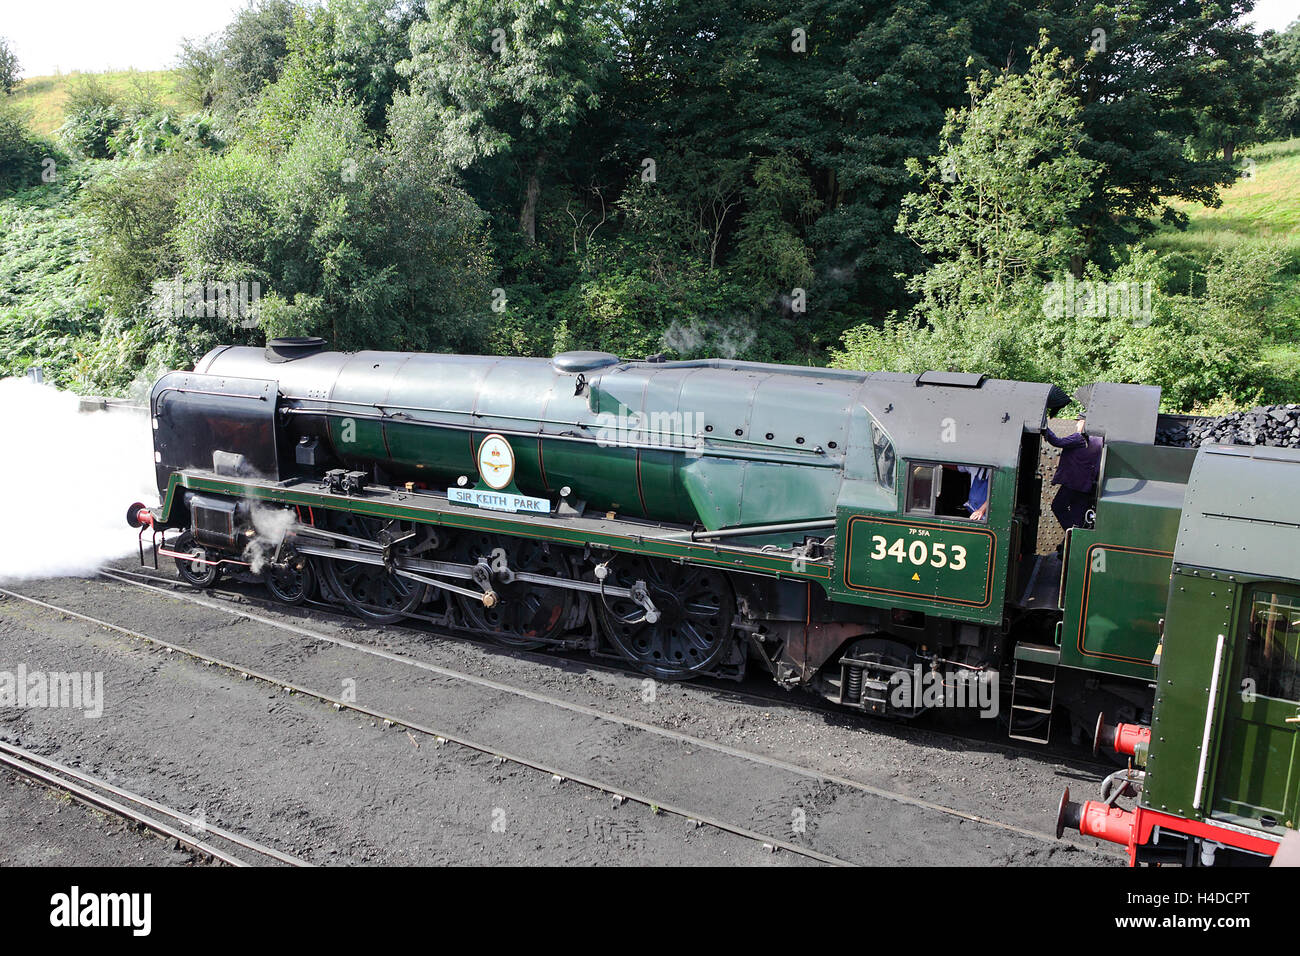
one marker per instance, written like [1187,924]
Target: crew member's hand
[979,513]
[1079,426]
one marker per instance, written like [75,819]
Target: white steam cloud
[271,525]
[66,478]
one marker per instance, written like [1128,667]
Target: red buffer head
[137,516]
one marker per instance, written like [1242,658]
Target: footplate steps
[1033,693]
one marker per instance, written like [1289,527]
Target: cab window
[922,488]
[883,450]
[948,490]
[1273,645]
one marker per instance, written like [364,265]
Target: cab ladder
[1033,693]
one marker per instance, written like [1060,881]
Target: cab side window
[1273,645]
[948,490]
[922,488]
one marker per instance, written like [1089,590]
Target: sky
[51,36]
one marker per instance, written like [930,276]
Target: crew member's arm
[1069,441]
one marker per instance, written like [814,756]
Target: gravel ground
[335,788]
[40,827]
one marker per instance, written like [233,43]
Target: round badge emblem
[496,462]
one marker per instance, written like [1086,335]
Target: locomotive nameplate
[498,500]
[922,560]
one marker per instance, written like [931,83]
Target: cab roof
[1241,512]
[957,418]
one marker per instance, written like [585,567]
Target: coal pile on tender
[1277,426]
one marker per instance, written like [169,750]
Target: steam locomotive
[685,517]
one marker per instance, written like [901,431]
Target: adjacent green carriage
[1220,768]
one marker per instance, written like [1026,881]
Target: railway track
[556,770]
[216,842]
[551,701]
[1078,757]
[442,736]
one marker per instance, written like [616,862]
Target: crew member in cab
[1076,473]
[977,501]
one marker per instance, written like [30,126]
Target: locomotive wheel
[696,607]
[292,582]
[526,616]
[370,591]
[195,572]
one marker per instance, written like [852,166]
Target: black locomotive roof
[956,420]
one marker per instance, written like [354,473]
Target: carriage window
[1273,646]
[883,449]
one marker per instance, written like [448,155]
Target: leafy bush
[49,313]
[21,153]
[1199,350]
[87,130]
[349,238]
[132,208]
[162,131]
[9,68]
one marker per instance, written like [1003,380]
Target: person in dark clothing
[1076,473]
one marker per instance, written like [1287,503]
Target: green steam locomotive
[688,517]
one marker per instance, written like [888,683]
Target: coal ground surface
[336,787]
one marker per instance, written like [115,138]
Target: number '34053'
[937,555]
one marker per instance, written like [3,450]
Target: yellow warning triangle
[916,577]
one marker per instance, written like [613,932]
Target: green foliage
[49,314]
[163,131]
[683,176]
[508,78]
[1280,116]
[1197,349]
[9,68]
[22,154]
[1002,200]
[227,73]
[771,244]
[93,118]
[131,209]
[999,210]
[355,241]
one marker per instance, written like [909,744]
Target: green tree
[21,152]
[1281,115]
[1000,201]
[346,236]
[229,71]
[9,68]
[132,210]
[508,78]
[1151,72]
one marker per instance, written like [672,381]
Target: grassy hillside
[45,95]
[1263,207]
